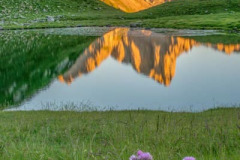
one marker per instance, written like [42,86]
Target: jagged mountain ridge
[151,54]
[131,6]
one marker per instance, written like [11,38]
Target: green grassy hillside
[195,14]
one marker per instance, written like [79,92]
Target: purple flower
[141,156]
[145,156]
[189,158]
[133,157]
[139,152]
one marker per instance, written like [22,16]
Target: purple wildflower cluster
[189,158]
[147,156]
[141,156]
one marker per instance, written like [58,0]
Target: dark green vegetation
[31,60]
[213,134]
[195,14]
[215,39]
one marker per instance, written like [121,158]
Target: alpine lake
[105,68]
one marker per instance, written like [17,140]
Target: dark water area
[118,68]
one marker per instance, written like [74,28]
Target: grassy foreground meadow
[208,135]
[193,14]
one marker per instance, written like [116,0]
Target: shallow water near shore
[120,69]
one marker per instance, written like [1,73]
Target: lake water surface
[119,68]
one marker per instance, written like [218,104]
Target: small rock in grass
[1,28]
[26,24]
[50,19]
[2,22]
[59,16]
[38,20]
[21,16]
[133,25]
[15,23]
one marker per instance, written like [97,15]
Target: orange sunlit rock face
[131,6]
[149,53]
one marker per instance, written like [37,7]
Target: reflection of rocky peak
[228,49]
[133,5]
[151,54]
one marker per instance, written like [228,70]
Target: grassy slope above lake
[209,135]
[195,14]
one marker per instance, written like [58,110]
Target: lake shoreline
[104,29]
[122,26]
[95,110]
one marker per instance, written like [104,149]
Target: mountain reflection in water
[149,53]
